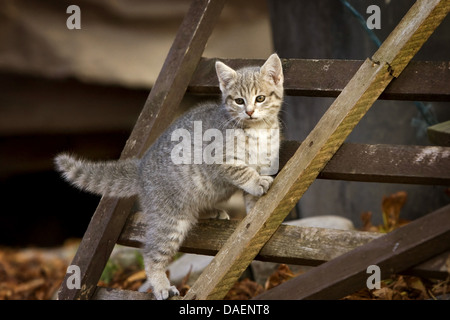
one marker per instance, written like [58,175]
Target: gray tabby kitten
[172,195]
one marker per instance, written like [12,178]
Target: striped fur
[172,196]
[113,178]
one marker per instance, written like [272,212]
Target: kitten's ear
[273,69]
[225,74]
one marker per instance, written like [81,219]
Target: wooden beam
[318,148]
[396,251]
[410,34]
[382,163]
[440,133]
[159,109]
[102,293]
[289,244]
[420,81]
[434,268]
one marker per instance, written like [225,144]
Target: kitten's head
[252,95]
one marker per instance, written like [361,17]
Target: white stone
[180,267]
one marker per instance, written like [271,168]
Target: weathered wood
[294,179]
[420,81]
[440,133]
[396,251]
[390,163]
[382,163]
[160,107]
[102,293]
[437,267]
[410,34]
[289,244]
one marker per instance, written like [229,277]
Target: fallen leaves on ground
[404,288]
[244,289]
[37,273]
[30,274]
[129,279]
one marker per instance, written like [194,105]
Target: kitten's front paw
[265,183]
[261,187]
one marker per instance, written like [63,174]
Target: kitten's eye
[239,101]
[260,98]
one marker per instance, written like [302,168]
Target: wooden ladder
[323,154]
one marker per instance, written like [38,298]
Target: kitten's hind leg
[164,238]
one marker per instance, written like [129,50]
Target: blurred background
[82,90]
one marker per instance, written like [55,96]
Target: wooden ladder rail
[158,111]
[318,148]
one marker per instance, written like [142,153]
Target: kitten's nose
[249,112]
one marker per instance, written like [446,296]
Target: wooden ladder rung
[440,133]
[383,163]
[102,293]
[420,81]
[290,244]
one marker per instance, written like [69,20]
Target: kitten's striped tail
[110,178]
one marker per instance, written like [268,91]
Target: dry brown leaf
[244,290]
[386,293]
[440,288]
[391,207]
[137,276]
[183,288]
[366,218]
[29,286]
[383,293]
[282,274]
[417,289]
[399,284]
